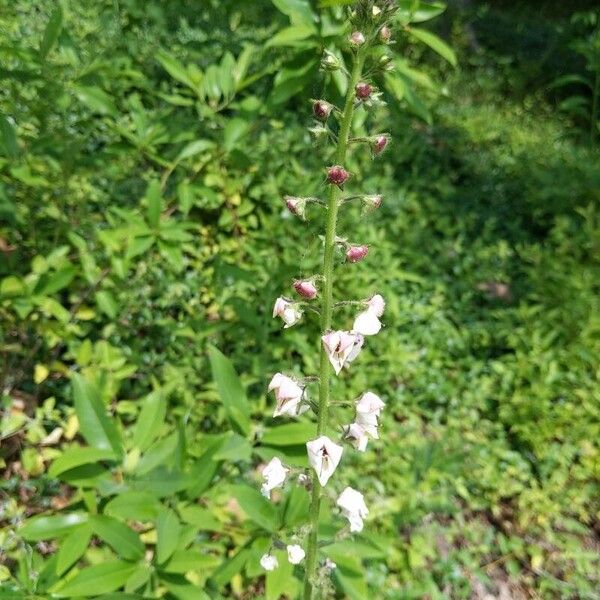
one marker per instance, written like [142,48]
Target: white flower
[288,394]
[353,507]
[274,474]
[295,554]
[269,562]
[357,435]
[368,408]
[367,322]
[287,310]
[324,456]
[342,347]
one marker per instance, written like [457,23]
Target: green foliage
[144,150]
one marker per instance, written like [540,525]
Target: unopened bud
[379,144]
[363,91]
[322,110]
[355,254]
[318,132]
[385,62]
[373,201]
[357,39]
[376,10]
[385,34]
[330,61]
[296,205]
[337,175]
[306,289]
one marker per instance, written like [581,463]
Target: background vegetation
[145,147]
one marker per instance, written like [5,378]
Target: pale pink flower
[368,409]
[353,508]
[385,33]
[274,474]
[288,311]
[342,347]
[288,394]
[357,436]
[324,457]
[367,322]
[306,288]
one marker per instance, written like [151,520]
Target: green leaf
[230,390]
[56,281]
[280,582]
[99,579]
[73,547]
[418,12]
[174,68]
[235,448]
[139,506]
[107,304]
[45,528]
[95,426]
[76,456]
[168,530]
[256,506]
[289,434]
[97,100]
[8,135]
[150,420]
[124,541]
[235,130]
[194,148]
[290,36]
[435,43]
[295,510]
[186,560]
[154,200]
[52,31]
[299,11]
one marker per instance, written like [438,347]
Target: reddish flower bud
[321,110]
[373,201]
[363,91]
[296,205]
[379,144]
[337,175]
[355,254]
[357,39]
[306,289]
[385,33]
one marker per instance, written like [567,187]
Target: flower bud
[322,110]
[355,254]
[318,132]
[357,39]
[385,62]
[363,91]
[379,144]
[373,201]
[385,33]
[330,61]
[306,289]
[337,175]
[295,205]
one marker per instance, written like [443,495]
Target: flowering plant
[369,32]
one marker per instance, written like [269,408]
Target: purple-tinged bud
[355,254]
[379,144]
[322,110]
[357,39]
[363,91]
[306,289]
[373,201]
[385,33]
[337,175]
[296,205]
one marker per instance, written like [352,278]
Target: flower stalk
[326,311]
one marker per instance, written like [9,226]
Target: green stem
[326,309]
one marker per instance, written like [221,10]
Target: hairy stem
[326,310]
